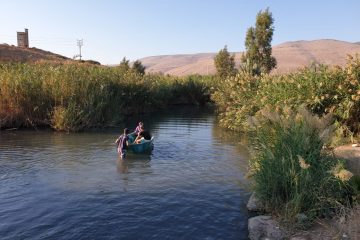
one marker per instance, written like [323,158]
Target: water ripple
[72,186]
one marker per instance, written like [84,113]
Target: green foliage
[321,89]
[193,89]
[138,67]
[72,97]
[124,65]
[257,58]
[225,63]
[236,100]
[355,183]
[291,173]
[90,62]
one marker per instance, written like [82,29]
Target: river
[73,186]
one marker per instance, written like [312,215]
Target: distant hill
[290,56]
[18,54]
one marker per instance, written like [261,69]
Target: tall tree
[225,63]
[257,58]
[138,67]
[125,64]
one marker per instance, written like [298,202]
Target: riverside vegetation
[73,97]
[292,172]
[291,121]
[320,88]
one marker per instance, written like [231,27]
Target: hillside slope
[18,54]
[290,56]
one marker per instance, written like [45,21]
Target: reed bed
[73,97]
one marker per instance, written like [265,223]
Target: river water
[73,186]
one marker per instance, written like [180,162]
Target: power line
[80,43]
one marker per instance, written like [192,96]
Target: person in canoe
[122,143]
[139,128]
[142,136]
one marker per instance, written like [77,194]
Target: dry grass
[18,54]
[352,224]
[345,226]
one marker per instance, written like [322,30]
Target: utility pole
[80,43]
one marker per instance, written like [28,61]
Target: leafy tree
[138,67]
[225,63]
[124,64]
[257,58]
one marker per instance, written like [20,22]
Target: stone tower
[23,38]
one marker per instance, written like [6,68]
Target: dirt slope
[18,54]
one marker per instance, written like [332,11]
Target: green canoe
[145,147]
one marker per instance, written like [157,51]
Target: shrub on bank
[236,99]
[292,173]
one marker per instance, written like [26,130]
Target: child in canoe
[139,128]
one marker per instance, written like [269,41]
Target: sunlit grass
[72,97]
[320,88]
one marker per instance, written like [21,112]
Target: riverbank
[292,121]
[344,225]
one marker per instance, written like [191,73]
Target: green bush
[236,98]
[320,88]
[292,173]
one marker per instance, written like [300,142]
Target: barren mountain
[290,56]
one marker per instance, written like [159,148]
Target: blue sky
[113,29]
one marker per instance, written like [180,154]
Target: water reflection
[239,142]
[134,163]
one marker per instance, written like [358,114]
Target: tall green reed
[72,97]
